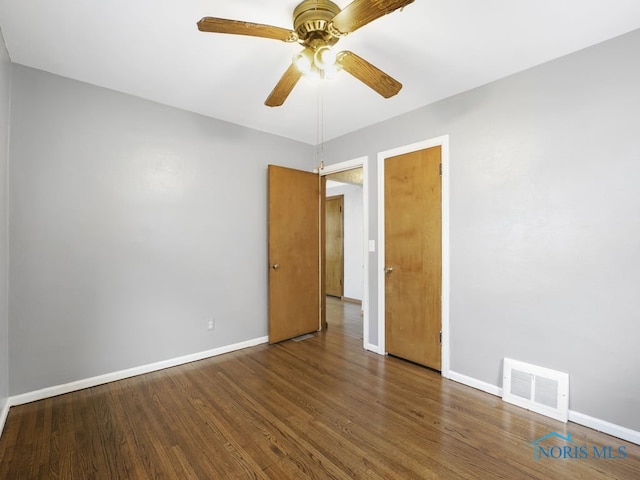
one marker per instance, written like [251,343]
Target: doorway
[350,180]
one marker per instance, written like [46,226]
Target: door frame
[443,142]
[341,167]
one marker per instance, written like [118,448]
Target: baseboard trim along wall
[3,415]
[131,372]
[576,417]
[477,384]
[605,427]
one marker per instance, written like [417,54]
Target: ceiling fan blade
[284,87]
[368,74]
[360,12]
[236,27]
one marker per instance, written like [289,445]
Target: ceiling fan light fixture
[318,64]
[330,73]
[304,61]
[325,58]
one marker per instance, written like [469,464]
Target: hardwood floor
[317,408]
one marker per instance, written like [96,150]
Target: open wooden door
[294,214]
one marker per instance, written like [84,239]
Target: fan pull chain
[320,132]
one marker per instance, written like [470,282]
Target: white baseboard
[131,372]
[3,414]
[576,417]
[475,383]
[605,427]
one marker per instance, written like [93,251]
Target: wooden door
[413,256]
[334,273]
[294,253]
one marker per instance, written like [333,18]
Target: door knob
[275,266]
[388,270]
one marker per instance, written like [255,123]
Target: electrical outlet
[212,325]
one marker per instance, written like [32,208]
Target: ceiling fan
[317,26]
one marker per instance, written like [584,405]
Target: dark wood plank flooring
[318,408]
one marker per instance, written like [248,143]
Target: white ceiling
[435,48]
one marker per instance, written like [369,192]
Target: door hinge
[440,337]
[440,169]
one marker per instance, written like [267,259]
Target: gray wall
[545,221]
[5,106]
[132,225]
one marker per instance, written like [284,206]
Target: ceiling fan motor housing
[311,20]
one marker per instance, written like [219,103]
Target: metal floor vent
[302,337]
[535,388]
